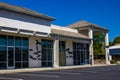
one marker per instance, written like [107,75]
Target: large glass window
[18,41]
[3,59]
[10,41]
[62,53]
[80,53]
[3,52]
[25,41]
[18,53]
[47,53]
[25,53]
[3,40]
[19,45]
[25,57]
[21,52]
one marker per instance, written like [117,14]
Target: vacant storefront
[47,53]
[13,52]
[80,53]
[28,39]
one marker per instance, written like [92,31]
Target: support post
[90,34]
[56,53]
[107,57]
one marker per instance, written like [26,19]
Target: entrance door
[10,58]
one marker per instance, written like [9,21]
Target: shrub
[113,62]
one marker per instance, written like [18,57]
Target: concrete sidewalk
[49,68]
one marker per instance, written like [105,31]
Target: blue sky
[105,13]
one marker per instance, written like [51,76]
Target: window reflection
[10,41]
[18,41]
[3,40]
[2,54]
[80,53]
[47,52]
[20,45]
[25,41]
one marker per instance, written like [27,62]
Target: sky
[105,13]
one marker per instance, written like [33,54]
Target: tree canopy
[98,44]
[116,40]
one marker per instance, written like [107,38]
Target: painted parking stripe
[40,75]
[85,71]
[10,78]
[63,72]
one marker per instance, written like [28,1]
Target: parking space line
[40,75]
[10,78]
[63,72]
[85,71]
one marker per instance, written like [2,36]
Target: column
[56,53]
[107,48]
[90,34]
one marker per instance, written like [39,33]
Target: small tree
[111,44]
[116,40]
[98,44]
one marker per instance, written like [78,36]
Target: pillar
[107,57]
[56,53]
[90,34]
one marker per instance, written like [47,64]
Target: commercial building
[28,39]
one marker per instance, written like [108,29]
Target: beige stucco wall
[84,32]
[69,57]
[36,62]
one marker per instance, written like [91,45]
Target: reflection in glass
[2,54]
[18,54]
[80,53]
[16,44]
[47,52]
[18,41]
[10,41]
[10,57]
[3,40]
[25,41]
[25,53]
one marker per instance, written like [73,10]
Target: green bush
[113,62]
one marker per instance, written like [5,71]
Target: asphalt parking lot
[91,73]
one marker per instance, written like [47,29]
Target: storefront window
[25,41]
[47,52]
[2,54]
[80,53]
[3,57]
[3,40]
[25,53]
[10,41]
[21,52]
[19,55]
[18,41]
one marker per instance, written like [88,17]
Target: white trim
[11,67]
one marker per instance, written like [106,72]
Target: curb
[50,68]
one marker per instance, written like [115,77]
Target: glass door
[10,58]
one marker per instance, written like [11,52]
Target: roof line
[24,11]
[87,24]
